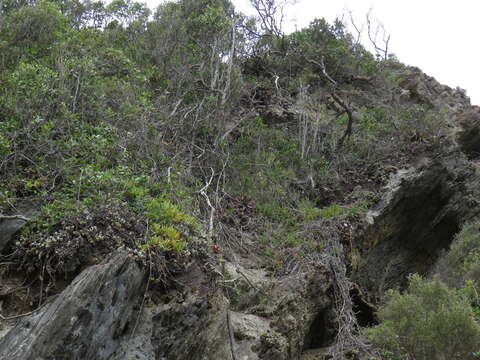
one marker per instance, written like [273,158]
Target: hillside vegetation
[194,133]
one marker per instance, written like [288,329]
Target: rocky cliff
[198,195]
[232,308]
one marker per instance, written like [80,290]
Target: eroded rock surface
[97,317]
[8,229]
[194,329]
[469,136]
[276,324]
[420,214]
[424,89]
[86,321]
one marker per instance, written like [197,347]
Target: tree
[271,14]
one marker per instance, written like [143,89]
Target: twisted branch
[336,98]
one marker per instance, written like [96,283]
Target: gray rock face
[469,136]
[8,229]
[86,321]
[95,318]
[424,89]
[193,330]
[201,325]
[137,344]
[418,218]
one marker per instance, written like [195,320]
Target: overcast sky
[442,37]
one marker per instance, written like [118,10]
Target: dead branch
[231,55]
[380,50]
[144,298]
[212,209]
[348,130]
[6,318]
[249,282]
[337,99]
[347,338]
[175,108]
[321,65]
[221,176]
[271,14]
[358,30]
[13,217]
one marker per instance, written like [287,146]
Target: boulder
[88,320]
[10,226]
[8,229]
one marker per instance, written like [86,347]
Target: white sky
[441,37]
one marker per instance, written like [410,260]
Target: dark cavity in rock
[323,330]
[364,311]
[411,230]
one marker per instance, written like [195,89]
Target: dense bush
[462,262]
[427,322]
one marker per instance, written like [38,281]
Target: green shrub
[462,262]
[429,321]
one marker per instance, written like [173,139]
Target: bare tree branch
[203,192]
[13,217]
[337,99]
[348,130]
[358,30]
[380,50]
[271,14]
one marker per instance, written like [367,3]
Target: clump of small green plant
[310,213]
[282,236]
[274,211]
[162,211]
[331,211]
[428,321]
[167,238]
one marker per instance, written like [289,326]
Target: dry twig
[13,217]
[348,337]
[203,192]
